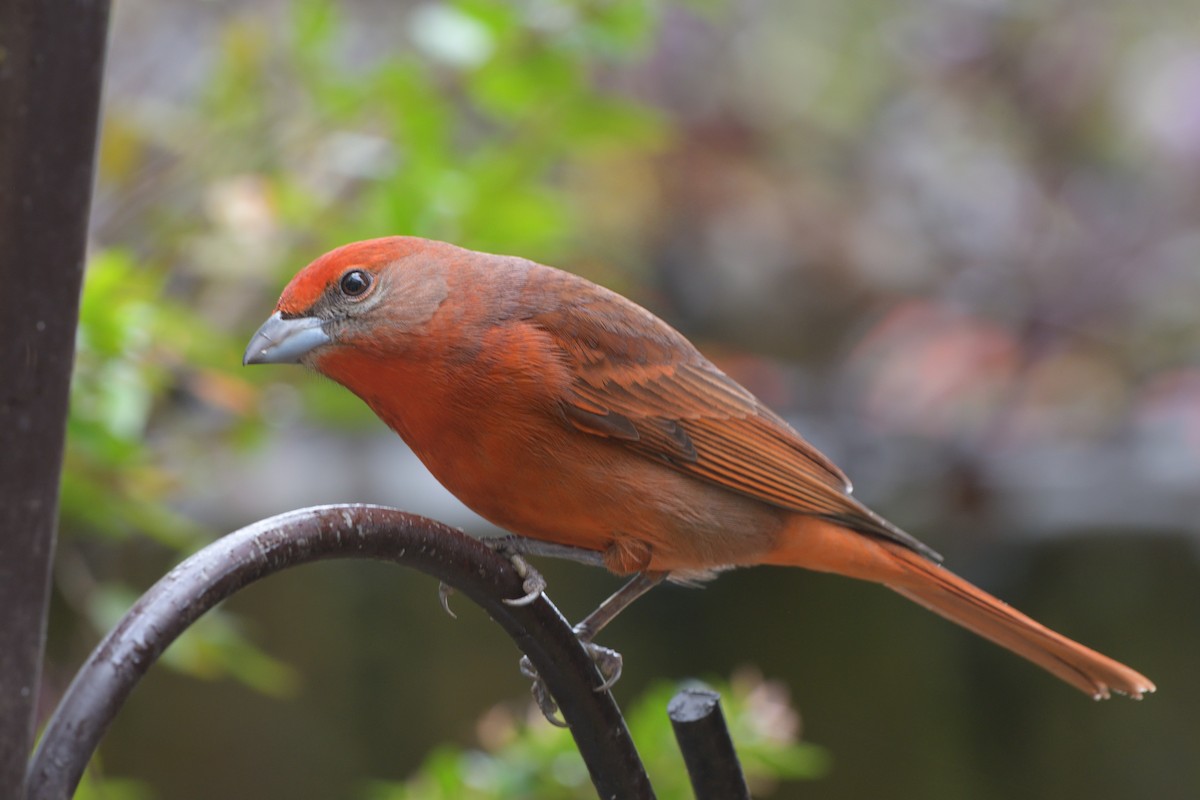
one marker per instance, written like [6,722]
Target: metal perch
[343,531]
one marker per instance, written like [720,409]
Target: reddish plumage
[562,411]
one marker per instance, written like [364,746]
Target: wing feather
[639,382]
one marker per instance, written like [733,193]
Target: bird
[573,417]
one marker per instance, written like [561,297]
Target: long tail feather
[958,601]
[826,547]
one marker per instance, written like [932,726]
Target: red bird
[564,412]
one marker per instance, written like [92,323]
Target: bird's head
[370,295]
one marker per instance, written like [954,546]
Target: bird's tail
[824,546]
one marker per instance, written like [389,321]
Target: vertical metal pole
[51,67]
[708,753]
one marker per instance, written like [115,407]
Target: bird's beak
[285,341]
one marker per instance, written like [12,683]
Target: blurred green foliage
[129,337]
[458,138]
[533,760]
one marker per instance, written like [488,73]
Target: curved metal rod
[341,531]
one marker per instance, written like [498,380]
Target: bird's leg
[536,547]
[517,547]
[607,660]
[621,599]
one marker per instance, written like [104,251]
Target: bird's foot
[541,694]
[607,661]
[533,583]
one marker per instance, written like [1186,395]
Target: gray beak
[285,341]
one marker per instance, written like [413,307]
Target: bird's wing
[639,382]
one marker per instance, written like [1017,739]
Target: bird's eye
[355,282]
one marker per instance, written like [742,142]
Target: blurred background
[955,242]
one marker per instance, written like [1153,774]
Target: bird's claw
[534,584]
[445,590]
[607,661]
[541,694]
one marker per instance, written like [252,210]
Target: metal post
[703,737]
[51,67]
